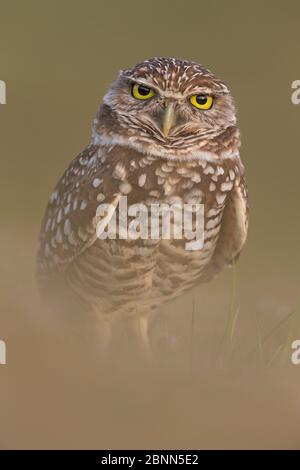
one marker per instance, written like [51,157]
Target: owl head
[165,104]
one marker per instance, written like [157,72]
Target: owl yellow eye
[202,101]
[141,92]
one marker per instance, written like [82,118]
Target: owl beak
[168,119]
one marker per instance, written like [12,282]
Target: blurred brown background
[57,59]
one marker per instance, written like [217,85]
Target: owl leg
[104,335]
[139,329]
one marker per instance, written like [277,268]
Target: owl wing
[233,231]
[69,224]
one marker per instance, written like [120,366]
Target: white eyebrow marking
[172,94]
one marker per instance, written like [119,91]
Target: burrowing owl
[166,131]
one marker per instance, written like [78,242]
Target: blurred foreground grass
[56,391]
